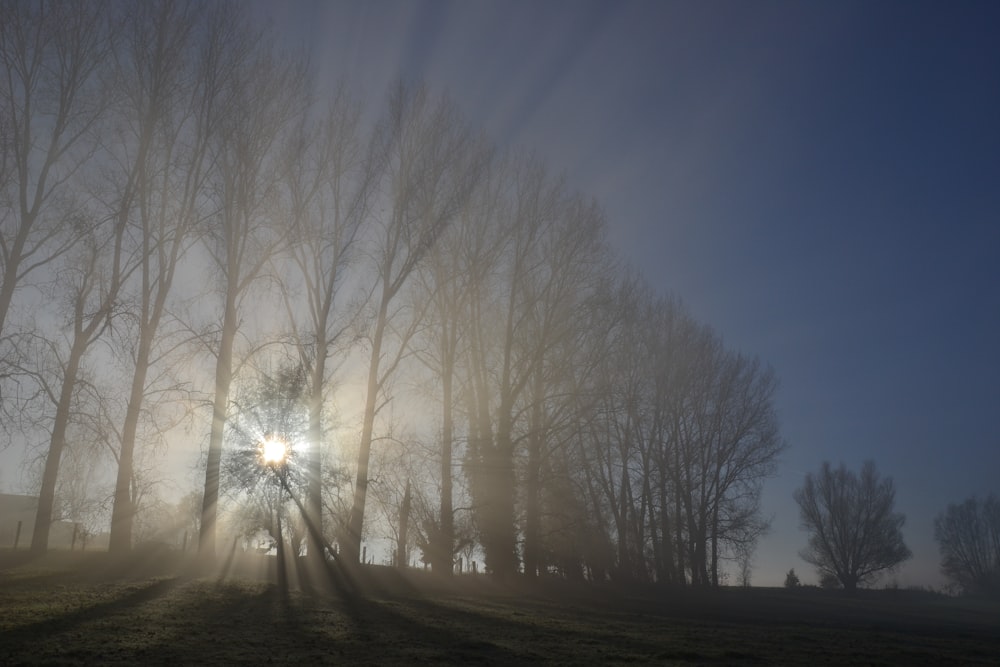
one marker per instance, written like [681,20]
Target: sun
[273,450]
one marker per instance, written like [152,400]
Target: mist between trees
[201,250]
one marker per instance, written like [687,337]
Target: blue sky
[818,181]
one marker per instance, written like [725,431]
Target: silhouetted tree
[431,164]
[91,279]
[263,94]
[683,435]
[854,533]
[522,322]
[329,179]
[52,97]
[600,428]
[571,255]
[612,450]
[271,411]
[165,116]
[52,101]
[968,535]
[791,579]
[456,267]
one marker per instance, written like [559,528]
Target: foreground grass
[97,612]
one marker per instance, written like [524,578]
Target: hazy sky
[818,181]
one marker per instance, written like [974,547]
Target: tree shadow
[23,637]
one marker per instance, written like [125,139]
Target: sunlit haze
[591,285]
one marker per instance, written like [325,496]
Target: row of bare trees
[178,194]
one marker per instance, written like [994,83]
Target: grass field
[88,609]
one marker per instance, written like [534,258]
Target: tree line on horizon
[202,241]
[178,194]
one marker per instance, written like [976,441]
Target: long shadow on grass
[371,627]
[229,623]
[546,628]
[398,636]
[25,636]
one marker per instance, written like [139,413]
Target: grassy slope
[68,610]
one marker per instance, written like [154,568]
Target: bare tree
[92,281]
[52,97]
[82,491]
[683,434]
[571,254]
[968,535]
[458,265]
[264,467]
[329,180]
[854,533]
[505,349]
[612,455]
[163,153]
[262,94]
[432,163]
[742,446]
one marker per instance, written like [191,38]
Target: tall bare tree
[498,363]
[729,443]
[432,163]
[458,266]
[612,454]
[571,254]
[52,97]
[330,176]
[683,435]
[261,95]
[92,280]
[167,110]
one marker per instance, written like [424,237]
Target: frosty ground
[89,609]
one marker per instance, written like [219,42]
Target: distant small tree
[792,579]
[968,535]
[855,535]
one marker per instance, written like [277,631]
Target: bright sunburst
[273,450]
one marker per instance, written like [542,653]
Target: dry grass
[70,609]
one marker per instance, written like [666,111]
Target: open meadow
[87,609]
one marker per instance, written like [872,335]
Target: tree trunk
[715,547]
[11,269]
[621,518]
[282,562]
[444,549]
[532,502]
[532,524]
[314,500]
[402,553]
[352,545]
[46,495]
[220,405]
[120,540]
